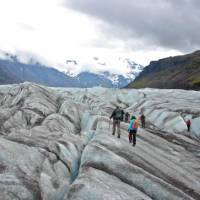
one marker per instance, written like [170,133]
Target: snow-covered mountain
[89,73]
[100,72]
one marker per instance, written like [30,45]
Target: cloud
[99,65]
[163,23]
[26,27]
[52,31]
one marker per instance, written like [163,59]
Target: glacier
[56,144]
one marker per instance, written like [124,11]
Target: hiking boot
[118,136]
[134,144]
[113,134]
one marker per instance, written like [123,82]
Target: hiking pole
[109,124]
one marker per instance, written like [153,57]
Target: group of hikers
[119,115]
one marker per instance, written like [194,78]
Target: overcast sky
[53,31]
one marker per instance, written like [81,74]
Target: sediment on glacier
[56,144]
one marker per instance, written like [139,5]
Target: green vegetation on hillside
[180,72]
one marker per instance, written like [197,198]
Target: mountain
[179,72]
[7,78]
[105,79]
[87,79]
[99,75]
[13,71]
[57,144]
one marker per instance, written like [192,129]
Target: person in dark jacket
[142,118]
[127,117]
[117,116]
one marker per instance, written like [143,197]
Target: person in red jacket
[188,123]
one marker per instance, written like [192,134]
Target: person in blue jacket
[132,129]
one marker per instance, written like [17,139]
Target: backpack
[135,124]
[118,114]
[188,122]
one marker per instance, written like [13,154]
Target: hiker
[127,117]
[188,123]
[132,129]
[117,116]
[142,118]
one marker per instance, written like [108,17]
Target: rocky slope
[179,72]
[56,144]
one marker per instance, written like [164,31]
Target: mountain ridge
[179,72]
